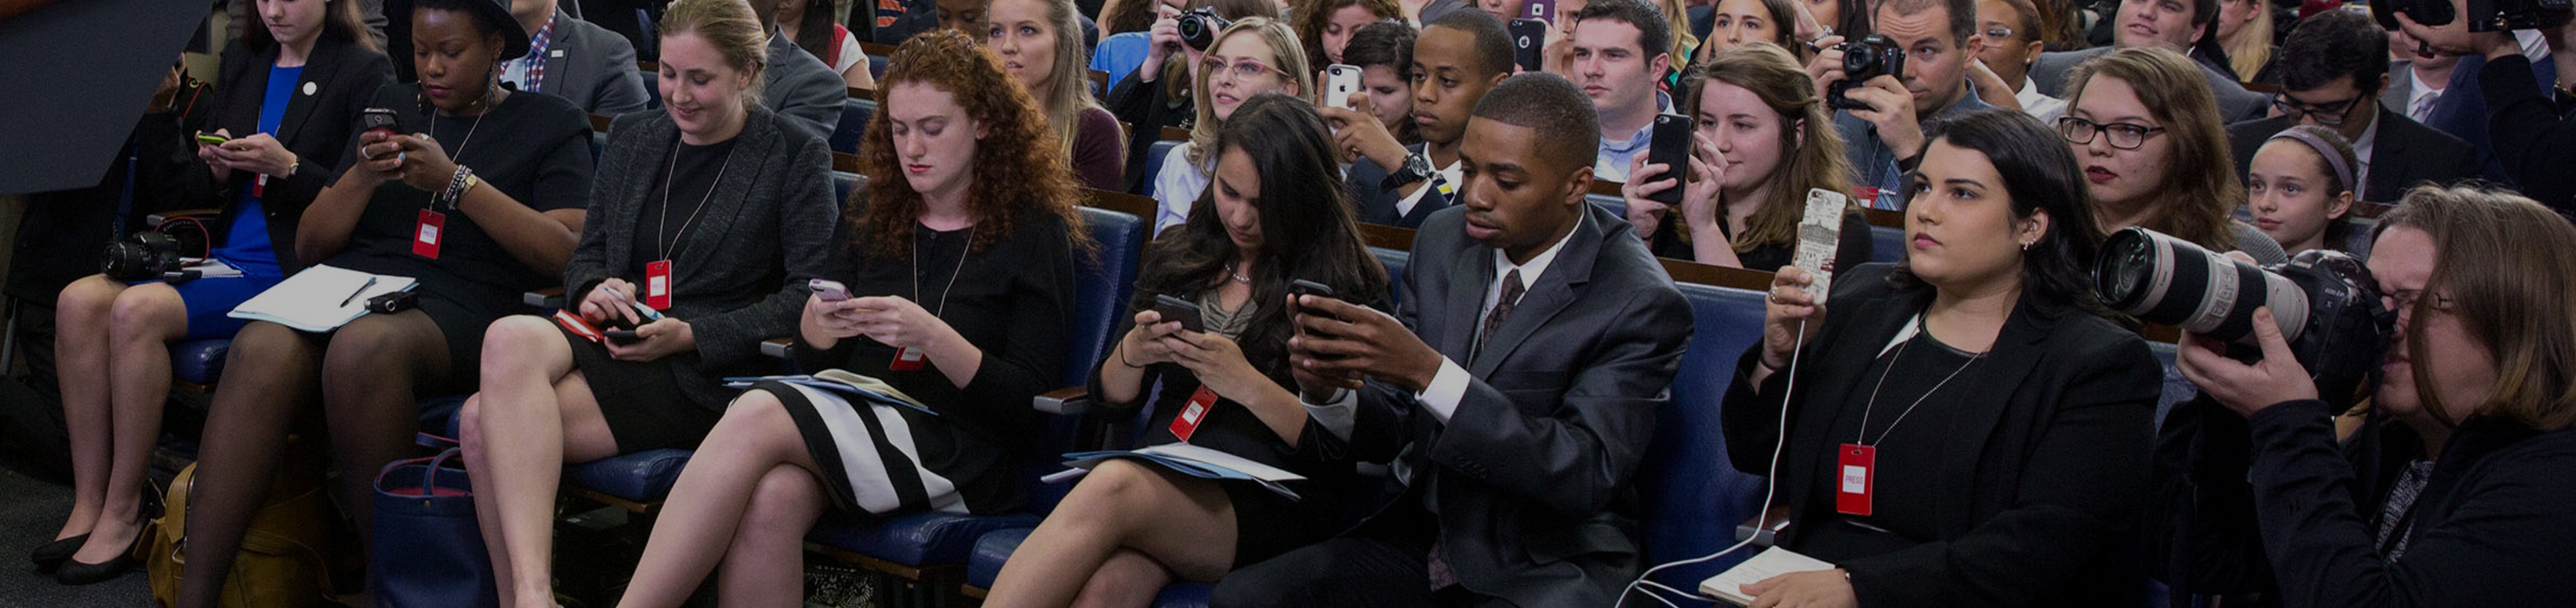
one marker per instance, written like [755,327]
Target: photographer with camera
[2528,124]
[1145,100]
[1886,86]
[2452,492]
[1249,57]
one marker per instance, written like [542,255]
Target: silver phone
[1340,81]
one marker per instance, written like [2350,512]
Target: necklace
[943,291]
[1918,401]
[660,233]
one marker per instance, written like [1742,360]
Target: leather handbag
[281,562]
[428,549]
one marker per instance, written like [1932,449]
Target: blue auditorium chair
[1692,495]
[854,124]
[1886,243]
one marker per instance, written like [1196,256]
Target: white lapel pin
[309,88]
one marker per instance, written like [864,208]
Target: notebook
[1770,562]
[858,388]
[1187,459]
[321,298]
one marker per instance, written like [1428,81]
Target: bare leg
[1128,580]
[370,376]
[80,345]
[765,567]
[535,413]
[697,525]
[1186,524]
[469,436]
[274,376]
[145,319]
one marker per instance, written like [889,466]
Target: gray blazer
[593,67]
[2234,102]
[802,89]
[742,270]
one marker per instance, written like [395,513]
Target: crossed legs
[746,500]
[1118,538]
[534,414]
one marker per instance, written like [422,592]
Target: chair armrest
[776,347]
[1763,528]
[157,218]
[1067,401]
[551,297]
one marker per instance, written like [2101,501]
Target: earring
[2025,246]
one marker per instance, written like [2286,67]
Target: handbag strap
[429,479]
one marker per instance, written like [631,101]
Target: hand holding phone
[1173,309]
[1671,146]
[622,336]
[1818,234]
[1529,36]
[212,139]
[1340,82]
[828,290]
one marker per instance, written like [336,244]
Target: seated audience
[1619,56]
[2017,486]
[1276,213]
[1454,63]
[1513,399]
[1040,45]
[1760,143]
[1885,140]
[1326,26]
[1255,55]
[477,218]
[1122,44]
[2167,24]
[1734,22]
[2153,152]
[1146,101]
[714,212]
[2450,492]
[798,85]
[973,189]
[2245,33]
[2011,29]
[1383,52]
[111,341]
[2300,189]
[825,39]
[2333,69]
[574,59]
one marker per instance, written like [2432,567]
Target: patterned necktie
[1512,291]
[2423,107]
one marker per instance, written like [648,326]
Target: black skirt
[641,401]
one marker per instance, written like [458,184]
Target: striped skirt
[886,459]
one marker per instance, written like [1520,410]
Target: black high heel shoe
[51,555]
[76,572]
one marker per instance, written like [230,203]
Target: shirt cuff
[1447,388]
[1405,207]
[1338,413]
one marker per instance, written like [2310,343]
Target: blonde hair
[729,26]
[2253,45]
[1068,86]
[2500,261]
[1773,75]
[1684,44]
[1290,57]
[2202,185]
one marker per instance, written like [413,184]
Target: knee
[147,312]
[469,425]
[85,299]
[380,353]
[1112,491]
[512,343]
[756,423]
[786,500]
[262,345]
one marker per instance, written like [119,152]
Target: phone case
[1340,81]
[1671,146]
[1529,36]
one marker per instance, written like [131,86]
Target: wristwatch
[1416,168]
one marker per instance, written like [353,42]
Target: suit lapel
[318,69]
[2387,151]
[659,135]
[562,60]
[1469,276]
[1549,296]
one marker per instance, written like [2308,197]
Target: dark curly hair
[1017,168]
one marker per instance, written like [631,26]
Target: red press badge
[259,186]
[905,360]
[1188,422]
[425,238]
[657,284]
[1865,194]
[1856,474]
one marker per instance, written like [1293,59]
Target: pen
[353,296]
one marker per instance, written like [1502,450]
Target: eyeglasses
[2329,114]
[1242,68]
[2123,135]
[1999,33]
[2406,301]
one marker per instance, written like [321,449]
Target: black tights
[366,375]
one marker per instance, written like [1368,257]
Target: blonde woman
[1255,55]
[1040,45]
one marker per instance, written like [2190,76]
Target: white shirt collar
[1537,266]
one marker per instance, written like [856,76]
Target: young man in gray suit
[1514,391]
[576,60]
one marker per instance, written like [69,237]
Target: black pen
[353,296]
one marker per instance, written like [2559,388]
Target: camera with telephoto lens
[1199,27]
[2482,15]
[1864,59]
[2326,303]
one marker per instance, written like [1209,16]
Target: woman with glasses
[2002,71]
[2000,469]
[2453,491]
[1255,55]
[2147,132]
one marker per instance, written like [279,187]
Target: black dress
[1014,301]
[534,148]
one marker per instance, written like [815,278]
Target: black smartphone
[1672,147]
[1529,36]
[1302,287]
[1176,309]
[622,336]
[374,119]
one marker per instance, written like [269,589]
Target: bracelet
[1122,359]
[456,187]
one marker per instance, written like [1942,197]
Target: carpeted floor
[30,511]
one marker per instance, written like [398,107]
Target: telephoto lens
[2165,280]
[141,256]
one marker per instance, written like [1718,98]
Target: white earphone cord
[1770,485]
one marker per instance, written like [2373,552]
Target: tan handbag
[281,562]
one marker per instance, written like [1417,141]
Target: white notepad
[1770,562]
[320,298]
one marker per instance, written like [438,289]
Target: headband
[2343,172]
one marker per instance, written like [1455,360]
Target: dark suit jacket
[2532,133]
[802,89]
[765,233]
[1531,475]
[2234,102]
[2042,475]
[2403,153]
[318,126]
[1377,205]
[593,67]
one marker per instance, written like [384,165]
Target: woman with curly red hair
[959,280]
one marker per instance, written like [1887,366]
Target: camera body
[1199,27]
[141,256]
[2325,302]
[1864,59]
[2483,15]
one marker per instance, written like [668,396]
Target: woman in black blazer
[290,91]
[715,213]
[1970,429]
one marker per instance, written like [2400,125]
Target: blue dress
[245,245]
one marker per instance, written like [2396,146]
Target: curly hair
[1309,23]
[1015,170]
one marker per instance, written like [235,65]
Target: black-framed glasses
[2125,136]
[2330,114]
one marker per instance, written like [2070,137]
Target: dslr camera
[159,253]
[1199,27]
[2326,303]
[1864,59]
[2483,15]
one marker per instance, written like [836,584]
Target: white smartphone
[829,290]
[1818,234]
[1340,81]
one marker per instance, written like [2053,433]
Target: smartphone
[1671,145]
[1340,81]
[829,290]
[378,119]
[622,336]
[1176,309]
[1528,37]
[1818,234]
[1302,287]
[1540,10]
[212,139]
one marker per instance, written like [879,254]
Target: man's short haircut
[1654,34]
[2331,45]
[1568,132]
[1493,43]
[1963,15]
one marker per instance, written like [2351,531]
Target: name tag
[906,359]
[657,284]
[425,238]
[1188,422]
[1858,466]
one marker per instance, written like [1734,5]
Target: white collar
[2422,88]
[2361,145]
[1537,266]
